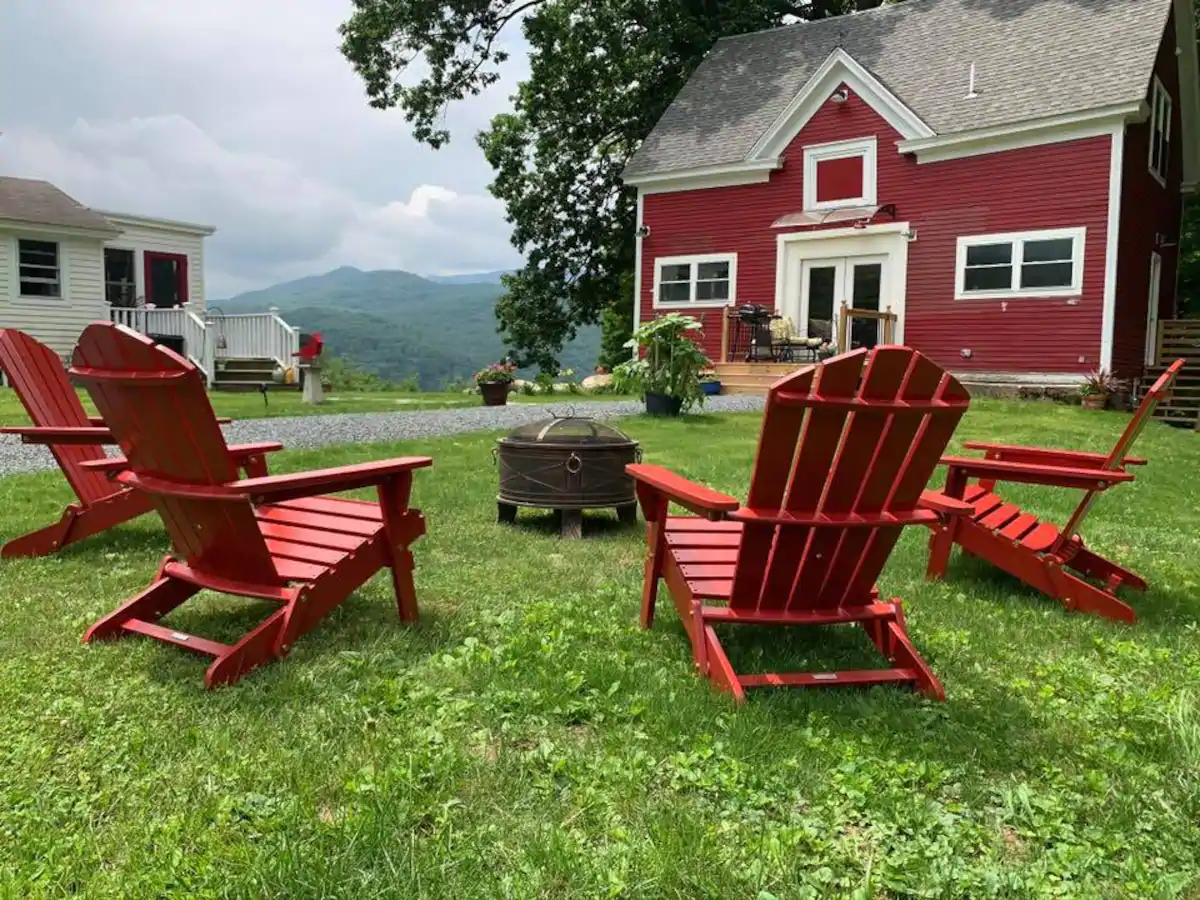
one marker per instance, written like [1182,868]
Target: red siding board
[1148,208]
[1054,186]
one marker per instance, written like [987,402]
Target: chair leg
[1094,565]
[162,596]
[402,582]
[78,523]
[1077,594]
[941,542]
[253,651]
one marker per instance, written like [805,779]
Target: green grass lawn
[526,739]
[250,405]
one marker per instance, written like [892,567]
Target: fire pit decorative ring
[567,464]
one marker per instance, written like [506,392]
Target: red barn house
[1000,182]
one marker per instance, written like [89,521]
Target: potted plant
[666,370]
[1098,387]
[710,384]
[494,383]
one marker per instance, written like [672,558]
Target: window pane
[674,292]
[676,273]
[712,290]
[989,255]
[989,278]
[713,271]
[1047,275]
[1057,250]
[39,288]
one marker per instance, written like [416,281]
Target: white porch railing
[209,336]
[254,335]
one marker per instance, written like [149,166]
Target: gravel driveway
[304,432]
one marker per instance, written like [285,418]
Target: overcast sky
[242,114]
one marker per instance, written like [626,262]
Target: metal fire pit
[567,464]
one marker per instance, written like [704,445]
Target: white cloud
[212,112]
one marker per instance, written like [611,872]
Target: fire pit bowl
[567,464]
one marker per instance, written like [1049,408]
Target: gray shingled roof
[41,203]
[1033,58]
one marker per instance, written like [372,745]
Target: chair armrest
[98,421]
[835,520]
[53,435]
[679,490]
[277,488]
[944,504]
[1074,458]
[1030,473]
[112,464]
[241,451]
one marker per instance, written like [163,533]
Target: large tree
[602,72]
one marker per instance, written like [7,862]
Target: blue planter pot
[710,387]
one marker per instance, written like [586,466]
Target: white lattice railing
[209,336]
[254,335]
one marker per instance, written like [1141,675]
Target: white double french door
[851,282]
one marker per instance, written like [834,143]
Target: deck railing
[1177,338]
[254,335]
[208,336]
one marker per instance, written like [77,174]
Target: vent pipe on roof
[971,92]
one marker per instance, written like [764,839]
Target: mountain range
[397,324]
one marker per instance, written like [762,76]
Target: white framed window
[840,174]
[1021,264]
[1160,131]
[40,268]
[709,280]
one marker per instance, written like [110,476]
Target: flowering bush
[497,373]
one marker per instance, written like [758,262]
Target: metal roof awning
[858,215]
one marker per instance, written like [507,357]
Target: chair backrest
[860,434]
[40,380]
[1158,392]
[156,405]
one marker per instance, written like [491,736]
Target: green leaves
[602,72]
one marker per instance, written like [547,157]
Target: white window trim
[1018,238]
[1157,90]
[63,285]
[693,303]
[867,148]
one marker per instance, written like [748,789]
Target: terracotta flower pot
[495,393]
[1095,401]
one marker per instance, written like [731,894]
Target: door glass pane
[164,282]
[821,283]
[868,284]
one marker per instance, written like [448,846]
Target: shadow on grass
[1161,608]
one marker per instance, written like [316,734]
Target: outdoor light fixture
[643,231]
[841,95]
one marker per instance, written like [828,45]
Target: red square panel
[839,179]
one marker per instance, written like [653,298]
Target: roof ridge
[885,7]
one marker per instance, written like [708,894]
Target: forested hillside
[399,324]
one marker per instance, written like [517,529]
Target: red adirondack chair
[844,455]
[76,440]
[278,538]
[1038,552]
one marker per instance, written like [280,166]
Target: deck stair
[248,374]
[752,378]
[1178,339]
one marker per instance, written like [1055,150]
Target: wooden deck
[1178,339]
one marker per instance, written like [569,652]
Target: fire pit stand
[566,464]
